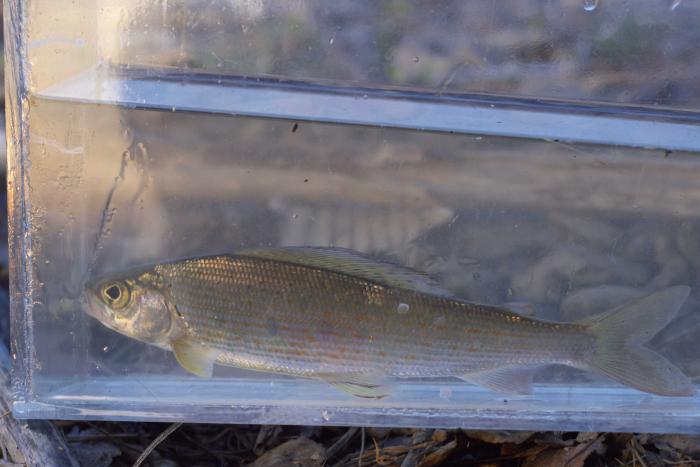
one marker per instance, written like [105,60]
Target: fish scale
[353,325]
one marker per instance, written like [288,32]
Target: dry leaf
[499,437]
[586,436]
[378,433]
[689,445]
[574,456]
[515,450]
[440,436]
[554,438]
[300,452]
[439,456]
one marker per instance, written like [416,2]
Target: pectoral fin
[509,380]
[358,386]
[194,357]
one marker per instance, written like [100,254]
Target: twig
[586,450]
[202,446]
[377,452]
[362,448]
[116,437]
[218,436]
[636,454]
[98,437]
[682,462]
[161,437]
[341,443]
[380,459]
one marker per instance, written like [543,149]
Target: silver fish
[358,324]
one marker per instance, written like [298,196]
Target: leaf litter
[171,445]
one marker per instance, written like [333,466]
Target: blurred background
[643,52]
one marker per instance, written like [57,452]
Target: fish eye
[116,295]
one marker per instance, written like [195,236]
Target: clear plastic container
[540,156]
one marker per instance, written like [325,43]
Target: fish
[361,325]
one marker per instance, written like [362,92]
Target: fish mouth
[93,306]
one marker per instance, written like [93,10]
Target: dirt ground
[124,444]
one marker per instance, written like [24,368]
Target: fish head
[137,308]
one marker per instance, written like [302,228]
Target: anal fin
[509,380]
[358,386]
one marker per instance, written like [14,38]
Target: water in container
[358,213]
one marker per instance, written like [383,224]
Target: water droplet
[326,416]
[105,348]
[675,4]
[590,5]
[402,308]
[331,40]
[416,59]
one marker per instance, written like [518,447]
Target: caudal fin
[620,334]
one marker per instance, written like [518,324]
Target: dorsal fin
[521,308]
[352,263]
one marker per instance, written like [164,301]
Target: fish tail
[620,334]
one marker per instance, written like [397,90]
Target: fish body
[358,324]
